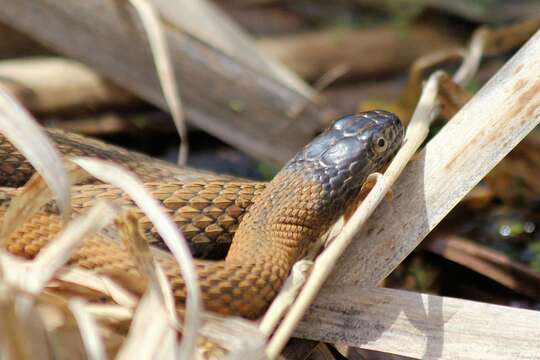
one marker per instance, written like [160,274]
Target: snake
[267,227]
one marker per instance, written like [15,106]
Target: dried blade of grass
[330,77]
[321,84]
[148,267]
[151,327]
[204,20]
[110,312]
[22,334]
[32,276]
[58,251]
[22,130]
[160,53]
[239,337]
[30,198]
[471,61]
[12,336]
[412,90]
[100,283]
[117,176]
[471,58]
[286,296]
[63,332]
[88,329]
[417,131]
[296,279]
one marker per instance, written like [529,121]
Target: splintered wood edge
[494,121]
[421,326]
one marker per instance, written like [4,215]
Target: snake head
[341,158]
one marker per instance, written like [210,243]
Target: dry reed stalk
[169,86]
[89,330]
[421,326]
[19,126]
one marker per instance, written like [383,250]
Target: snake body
[282,219]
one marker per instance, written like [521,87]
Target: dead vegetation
[190,59]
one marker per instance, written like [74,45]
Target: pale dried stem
[140,249]
[471,62]
[12,335]
[98,283]
[58,251]
[28,200]
[117,176]
[53,85]
[160,53]
[89,330]
[150,326]
[110,312]
[23,131]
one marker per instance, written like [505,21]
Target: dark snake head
[341,158]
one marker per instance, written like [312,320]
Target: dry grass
[74,313]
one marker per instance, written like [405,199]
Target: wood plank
[421,326]
[241,105]
[492,123]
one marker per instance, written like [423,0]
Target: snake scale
[271,224]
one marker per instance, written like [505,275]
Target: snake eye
[380,144]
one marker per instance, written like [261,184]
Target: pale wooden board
[492,123]
[421,326]
[241,105]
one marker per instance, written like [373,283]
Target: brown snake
[283,217]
